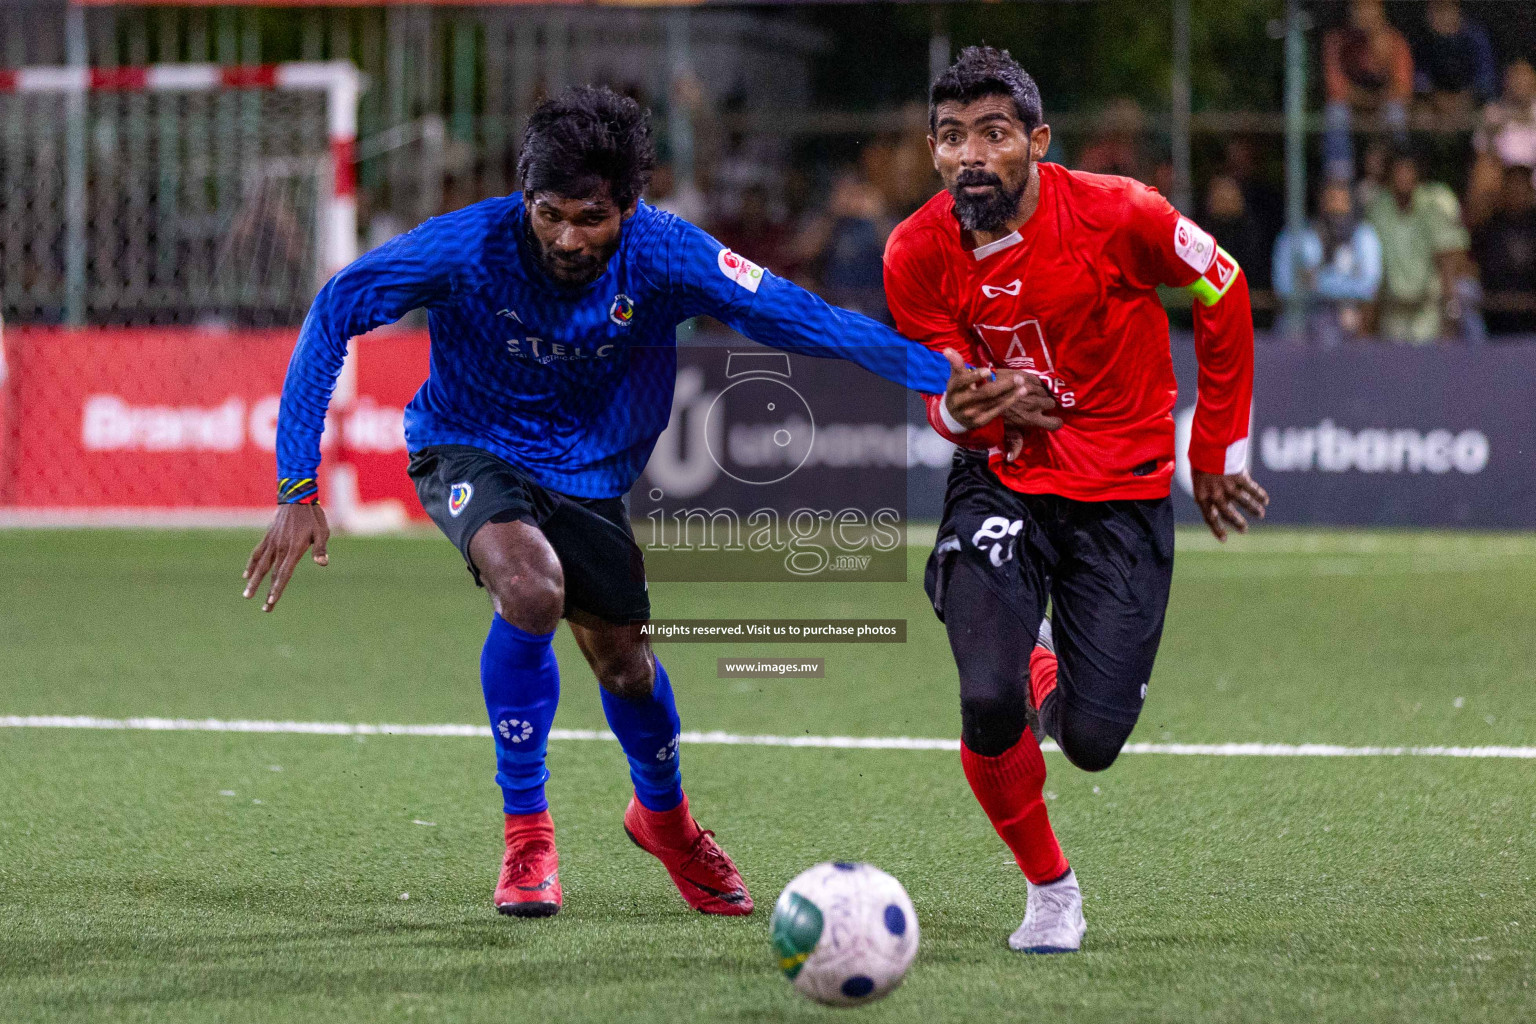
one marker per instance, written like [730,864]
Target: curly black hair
[986,71]
[584,137]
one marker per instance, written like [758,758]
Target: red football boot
[701,871]
[529,885]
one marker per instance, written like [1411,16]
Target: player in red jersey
[1043,280]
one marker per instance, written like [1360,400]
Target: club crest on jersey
[458,497]
[1022,346]
[992,291]
[740,269]
[622,312]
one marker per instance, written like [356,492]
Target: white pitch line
[733,739]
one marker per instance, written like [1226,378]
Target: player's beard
[572,271]
[989,210]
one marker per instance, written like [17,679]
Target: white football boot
[1053,918]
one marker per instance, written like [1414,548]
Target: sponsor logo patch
[458,497]
[740,269]
[622,312]
[514,730]
[993,291]
[1193,245]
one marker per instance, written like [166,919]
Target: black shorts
[463,488]
[1105,566]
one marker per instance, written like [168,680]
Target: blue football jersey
[571,385]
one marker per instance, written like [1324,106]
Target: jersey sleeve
[1160,246]
[411,270]
[711,280]
[913,290]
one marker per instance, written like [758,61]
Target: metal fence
[188,207]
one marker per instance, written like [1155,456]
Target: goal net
[173,194]
[163,230]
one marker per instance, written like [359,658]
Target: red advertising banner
[182,420]
[390,367]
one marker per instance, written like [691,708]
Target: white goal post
[339,81]
[134,197]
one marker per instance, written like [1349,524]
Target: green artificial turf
[133,886]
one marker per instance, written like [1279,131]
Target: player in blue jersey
[553,316]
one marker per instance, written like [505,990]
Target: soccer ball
[845,933]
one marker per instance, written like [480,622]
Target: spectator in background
[1505,249]
[747,162]
[1118,145]
[1336,262]
[1454,63]
[1227,217]
[1367,67]
[681,199]
[1507,138]
[757,234]
[1509,123]
[1373,173]
[899,164]
[1263,200]
[1425,292]
[846,245]
[261,274]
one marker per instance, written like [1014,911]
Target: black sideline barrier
[1386,435]
[1368,435]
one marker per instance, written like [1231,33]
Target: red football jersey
[1071,297]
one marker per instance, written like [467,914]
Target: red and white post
[336,227]
[340,81]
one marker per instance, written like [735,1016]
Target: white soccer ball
[845,933]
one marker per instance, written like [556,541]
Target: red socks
[1009,788]
[1042,675]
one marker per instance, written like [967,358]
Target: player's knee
[532,605]
[628,674]
[1090,742]
[531,601]
[991,727]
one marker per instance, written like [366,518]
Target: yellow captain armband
[1210,286]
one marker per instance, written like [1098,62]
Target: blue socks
[521,681]
[647,730]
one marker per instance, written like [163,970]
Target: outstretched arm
[406,272]
[714,281]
